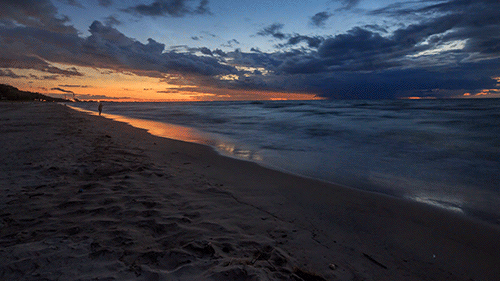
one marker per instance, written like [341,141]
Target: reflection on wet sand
[165,130]
[233,150]
[414,190]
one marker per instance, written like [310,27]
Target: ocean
[445,153]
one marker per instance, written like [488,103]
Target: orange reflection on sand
[189,135]
[164,129]
[186,134]
[159,129]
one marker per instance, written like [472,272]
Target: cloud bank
[453,45]
[174,8]
[447,47]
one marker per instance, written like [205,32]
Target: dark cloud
[187,63]
[172,91]
[102,34]
[206,51]
[124,52]
[356,41]
[174,8]
[399,83]
[376,28]
[44,77]
[273,30]
[112,21]
[312,42]
[33,48]
[384,84]
[10,73]
[98,97]
[105,48]
[257,59]
[303,64]
[231,43]
[209,34]
[196,38]
[366,49]
[40,14]
[72,3]
[450,47]
[476,22]
[348,4]
[179,48]
[105,3]
[203,8]
[30,61]
[219,52]
[75,86]
[63,90]
[319,19]
[361,49]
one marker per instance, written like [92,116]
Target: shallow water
[441,152]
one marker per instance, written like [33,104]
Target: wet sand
[86,198]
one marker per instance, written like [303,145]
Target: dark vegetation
[9,93]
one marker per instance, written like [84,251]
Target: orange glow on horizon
[485,93]
[418,98]
[108,85]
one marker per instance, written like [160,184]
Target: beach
[87,198]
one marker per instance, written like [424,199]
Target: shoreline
[229,149]
[117,195]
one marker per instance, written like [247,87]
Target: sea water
[440,152]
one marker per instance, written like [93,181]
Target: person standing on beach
[99,107]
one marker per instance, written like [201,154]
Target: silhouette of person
[99,107]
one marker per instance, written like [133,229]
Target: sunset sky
[251,50]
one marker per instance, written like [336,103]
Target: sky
[196,50]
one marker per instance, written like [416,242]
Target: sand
[83,197]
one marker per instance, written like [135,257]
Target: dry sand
[86,198]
